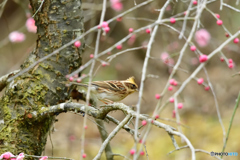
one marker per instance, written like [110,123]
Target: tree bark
[21,130]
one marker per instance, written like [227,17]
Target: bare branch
[144,72]
[3,79]
[111,135]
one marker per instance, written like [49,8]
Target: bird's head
[131,85]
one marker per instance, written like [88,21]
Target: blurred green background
[198,113]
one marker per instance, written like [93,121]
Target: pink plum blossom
[16,37]
[7,155]
[30,24]
[202,37]
[20,156]
[116,5]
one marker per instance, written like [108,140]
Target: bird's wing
[106,85]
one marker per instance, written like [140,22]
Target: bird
[109,91]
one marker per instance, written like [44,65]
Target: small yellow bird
[110,91]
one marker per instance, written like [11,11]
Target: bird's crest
[131,79]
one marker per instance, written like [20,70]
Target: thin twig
[196,150]
[144,71]
[111,135]
[90,75]
[39,8]
[115,121]
[216,104]
[185,21]
[74,40]
[110,58]
[231,121]
[231,7]
[200,67]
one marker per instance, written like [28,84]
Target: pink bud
[174,114]
[84,155]
[222,59]
[180,105]
[193,48]
[130,30]
[106,29]
[170,88]
[148,30]
[132,151]
[157,96]
[207,88]
[219,22]
[104,64]
[119,46]
[195,2]
[71,79]
[171,81]
[156,116]
[77,44]
[171,100]
[185,12]
[79,80]
[226,34]
[200,81]
[104,24]
[217,15]
[144,122]
[85,127]
[119,19]
[230,65]
[172,20]
[230,61]
[236,40]
[175,83]
[91,55]
[203,58]
[142,153]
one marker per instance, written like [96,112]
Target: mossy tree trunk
[21,129]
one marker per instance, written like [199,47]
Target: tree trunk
[21,127]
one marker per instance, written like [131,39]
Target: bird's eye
[133,86]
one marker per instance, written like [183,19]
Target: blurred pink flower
[202,37]
[16,37]
[116,5]
[20,156]
[131,40]
[7,155]
[30,24]
[166,58]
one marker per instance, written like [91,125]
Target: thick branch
[104,136]
[102,112]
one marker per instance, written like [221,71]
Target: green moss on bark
[21,130]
